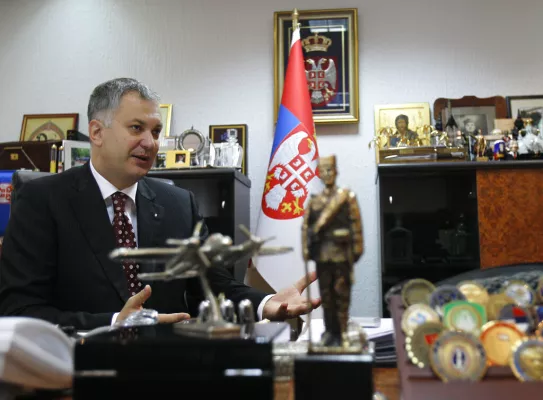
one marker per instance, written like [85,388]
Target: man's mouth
[141,157]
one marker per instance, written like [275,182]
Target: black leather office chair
[20,177]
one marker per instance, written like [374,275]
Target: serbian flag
[291,177]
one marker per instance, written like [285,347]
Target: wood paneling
[510,206]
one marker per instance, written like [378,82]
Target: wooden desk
[386,381]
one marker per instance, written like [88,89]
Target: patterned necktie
[125,237]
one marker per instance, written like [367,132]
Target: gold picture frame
[330,46]
[177,159]
[417,113]
[43,127]
[166,116]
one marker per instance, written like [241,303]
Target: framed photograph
[217,134]
[528,107]
[472,113]
[166,115]
[75,153]
[177,159]
[395,116]
[330,47]
[44,127]
[160,160]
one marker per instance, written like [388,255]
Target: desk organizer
[499,383]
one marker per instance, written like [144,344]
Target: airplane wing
[166,275]
[145,255]
[270,251]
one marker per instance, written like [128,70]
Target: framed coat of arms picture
[330,47]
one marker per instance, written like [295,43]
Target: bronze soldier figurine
[332,237]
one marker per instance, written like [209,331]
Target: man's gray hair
[106,97]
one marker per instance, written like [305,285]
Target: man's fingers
[315,302]
[137,300]
[172,318]
[302,283]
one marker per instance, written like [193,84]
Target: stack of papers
[379,331]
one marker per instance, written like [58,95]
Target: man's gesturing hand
[289,302]
[135,303]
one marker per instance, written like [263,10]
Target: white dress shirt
[107,189]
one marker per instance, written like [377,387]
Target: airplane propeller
[254,238]
[265,251]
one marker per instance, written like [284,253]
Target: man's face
[127,149]
[327,172]
[470,127]
[401,125]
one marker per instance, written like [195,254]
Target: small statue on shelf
[480,146]
[332,237]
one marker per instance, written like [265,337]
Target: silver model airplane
[189,258]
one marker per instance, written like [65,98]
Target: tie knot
[119,200]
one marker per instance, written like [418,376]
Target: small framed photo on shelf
[76,153]
[43,127]
[160,160]
[177,159]
[218,134]
[166,116]
[471,113]
[330,50]
[528,107]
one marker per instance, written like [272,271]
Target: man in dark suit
[55,259]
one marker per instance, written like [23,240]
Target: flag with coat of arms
[291,176]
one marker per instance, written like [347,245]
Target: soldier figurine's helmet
[328,160]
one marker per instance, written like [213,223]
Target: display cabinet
[223,197]
[441,219]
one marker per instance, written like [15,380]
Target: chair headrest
[20,177]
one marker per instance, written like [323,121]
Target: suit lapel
[91,213]
[150,215]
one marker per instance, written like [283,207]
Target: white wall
[214,61]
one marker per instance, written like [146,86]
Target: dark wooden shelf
[201,173]
[394,168]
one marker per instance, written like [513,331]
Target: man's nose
[147,140]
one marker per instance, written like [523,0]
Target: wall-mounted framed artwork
[166,116]
[43,127]
[330,47]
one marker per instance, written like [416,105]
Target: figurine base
[329,376]
[482,159]
[209,330]
[322,349]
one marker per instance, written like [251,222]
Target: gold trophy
[332,238]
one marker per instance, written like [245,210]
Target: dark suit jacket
[55,265]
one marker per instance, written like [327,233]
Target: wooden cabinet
[442,219]
[223,197]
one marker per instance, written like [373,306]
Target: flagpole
[295,16]
[296,25]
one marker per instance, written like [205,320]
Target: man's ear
[96,132]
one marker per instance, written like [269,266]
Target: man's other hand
[135,303]
[289,302]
